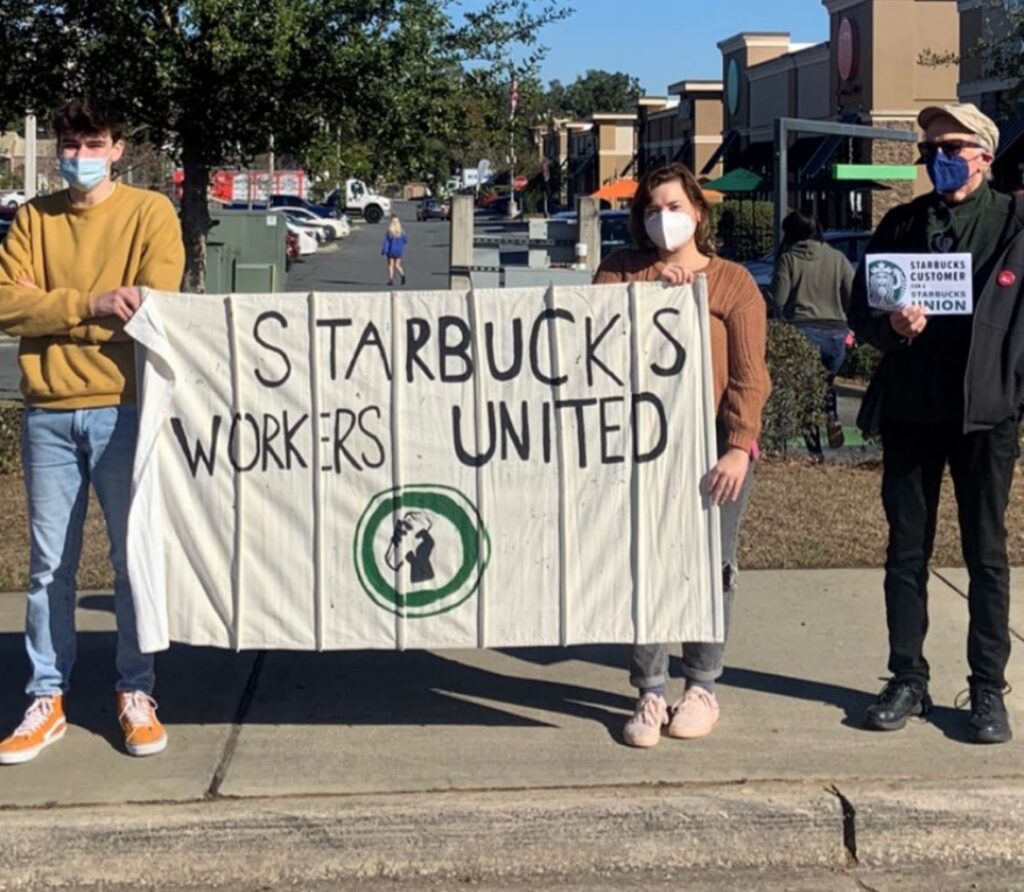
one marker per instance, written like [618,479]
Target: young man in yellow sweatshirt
[70,271]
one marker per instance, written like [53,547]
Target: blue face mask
[83,174]
[948,174]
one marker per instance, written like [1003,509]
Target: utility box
[245,252]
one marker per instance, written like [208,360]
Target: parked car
[614,229]
[307,241]
[293,201]
[291,249]
[851,242]
[315,228]
[338,228]
[6,219]
[433,209]
[12,198]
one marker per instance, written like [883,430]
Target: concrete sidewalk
[507,766]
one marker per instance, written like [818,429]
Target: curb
[538,838]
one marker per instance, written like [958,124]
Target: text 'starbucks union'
[354,438]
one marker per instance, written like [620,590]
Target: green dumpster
[245,252]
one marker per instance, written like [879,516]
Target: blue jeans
[831,344]
[62,451]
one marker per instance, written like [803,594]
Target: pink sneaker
[694,715]
[644,728]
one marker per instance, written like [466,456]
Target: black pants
[981,465]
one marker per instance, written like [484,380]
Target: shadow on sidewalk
[204,686]
[417,688]
[851,701]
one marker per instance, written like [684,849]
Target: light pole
[30,156]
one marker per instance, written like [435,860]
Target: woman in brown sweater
[670,222]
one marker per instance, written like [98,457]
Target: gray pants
[702,660]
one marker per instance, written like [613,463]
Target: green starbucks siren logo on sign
[887,283]
[420,550]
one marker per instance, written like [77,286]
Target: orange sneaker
[143,733]
[44,723]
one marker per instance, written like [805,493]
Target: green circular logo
[887,284]
[420,550]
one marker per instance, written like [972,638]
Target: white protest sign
[425,469]
[939,282]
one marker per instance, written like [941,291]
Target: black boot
[900,699]
[403,278]
[989,722]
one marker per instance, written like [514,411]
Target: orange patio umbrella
[620,190]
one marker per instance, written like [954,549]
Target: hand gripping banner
[425,469]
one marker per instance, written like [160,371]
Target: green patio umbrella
[738,180]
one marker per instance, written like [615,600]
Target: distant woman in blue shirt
[394,244]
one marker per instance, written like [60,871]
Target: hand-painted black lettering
[193,457]
[517,351]
[680,360]
[235,434]
[372,410]
[290,430]
[481,457]
[546,432]
[333,325]
[520,439]
[369,338]
[662,430]
[607,457]
[581,428]
[271,431]
[347,418]
[591,351]
[457,350]
[417,336]
[277,317]
[539,324]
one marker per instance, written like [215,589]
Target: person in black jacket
[949,391]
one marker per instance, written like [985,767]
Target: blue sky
[663,41]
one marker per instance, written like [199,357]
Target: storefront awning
[738,180]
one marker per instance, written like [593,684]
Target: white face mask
[670,230]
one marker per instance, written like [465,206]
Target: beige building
[981,20]
[601,150]
[868,72]
[12,162]
[687,126]
[878,78]
[552,143]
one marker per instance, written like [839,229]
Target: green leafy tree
[998,50]
[488,130]
[219,79]
[37,48]
[596,92]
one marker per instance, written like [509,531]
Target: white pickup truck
[358,198]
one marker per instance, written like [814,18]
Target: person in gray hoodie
[811,288]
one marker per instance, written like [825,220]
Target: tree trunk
[195,217]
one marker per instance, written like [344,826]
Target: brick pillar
[885,152]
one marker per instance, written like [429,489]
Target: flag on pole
[513,97]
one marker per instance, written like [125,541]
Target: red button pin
[1006,278]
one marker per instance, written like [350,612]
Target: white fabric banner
[425,469]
